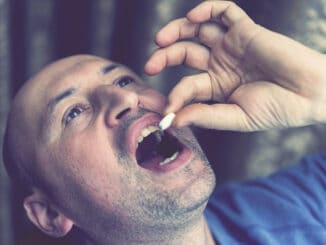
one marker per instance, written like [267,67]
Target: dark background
[36,32]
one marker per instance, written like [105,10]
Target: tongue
[152,162]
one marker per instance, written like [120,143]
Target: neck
[198,234]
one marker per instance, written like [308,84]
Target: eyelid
[70,108]
[116,81]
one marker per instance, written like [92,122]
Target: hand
[259,79]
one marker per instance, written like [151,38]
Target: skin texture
[259,79]
[84,173]
[83,165]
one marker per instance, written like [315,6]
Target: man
[82,139]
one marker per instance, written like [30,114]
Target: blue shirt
[288,207]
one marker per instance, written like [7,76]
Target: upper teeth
[147,131]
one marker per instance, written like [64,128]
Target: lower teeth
[169,159]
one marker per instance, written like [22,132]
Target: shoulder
[285,205]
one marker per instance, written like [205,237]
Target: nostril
[121,114]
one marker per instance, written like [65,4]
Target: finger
[228,12]
[218,116]
[189,89]
[193,88]
[188,53]
[176,30]
[208,33]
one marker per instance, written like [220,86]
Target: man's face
[96,156]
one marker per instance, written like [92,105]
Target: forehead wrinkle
[80,70]
[92,67]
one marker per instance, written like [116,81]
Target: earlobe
[46,217]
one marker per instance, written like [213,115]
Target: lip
[134,132]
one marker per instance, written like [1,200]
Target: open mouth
[156,149]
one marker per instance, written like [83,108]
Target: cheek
[92,156]
[86,164]
[153,100]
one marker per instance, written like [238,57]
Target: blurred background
[36,32]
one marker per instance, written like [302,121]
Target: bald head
[25,124]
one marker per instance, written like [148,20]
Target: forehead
[59,76]
[65,75]
[32,99]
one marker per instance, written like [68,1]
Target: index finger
[194,88]
[226,11]
[176,30]
[223,13]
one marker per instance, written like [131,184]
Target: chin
[197,193]
[182,198]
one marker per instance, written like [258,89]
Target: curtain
[34,33]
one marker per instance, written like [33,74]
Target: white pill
[166,121]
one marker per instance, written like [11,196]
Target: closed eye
[124,81]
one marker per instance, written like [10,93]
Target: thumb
[217,116]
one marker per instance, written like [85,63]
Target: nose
[117,103]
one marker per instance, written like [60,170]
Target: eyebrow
[53,102]
[109,68]
[70,91]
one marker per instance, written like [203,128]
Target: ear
[45,216]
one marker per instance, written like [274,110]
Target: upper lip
[136,128]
